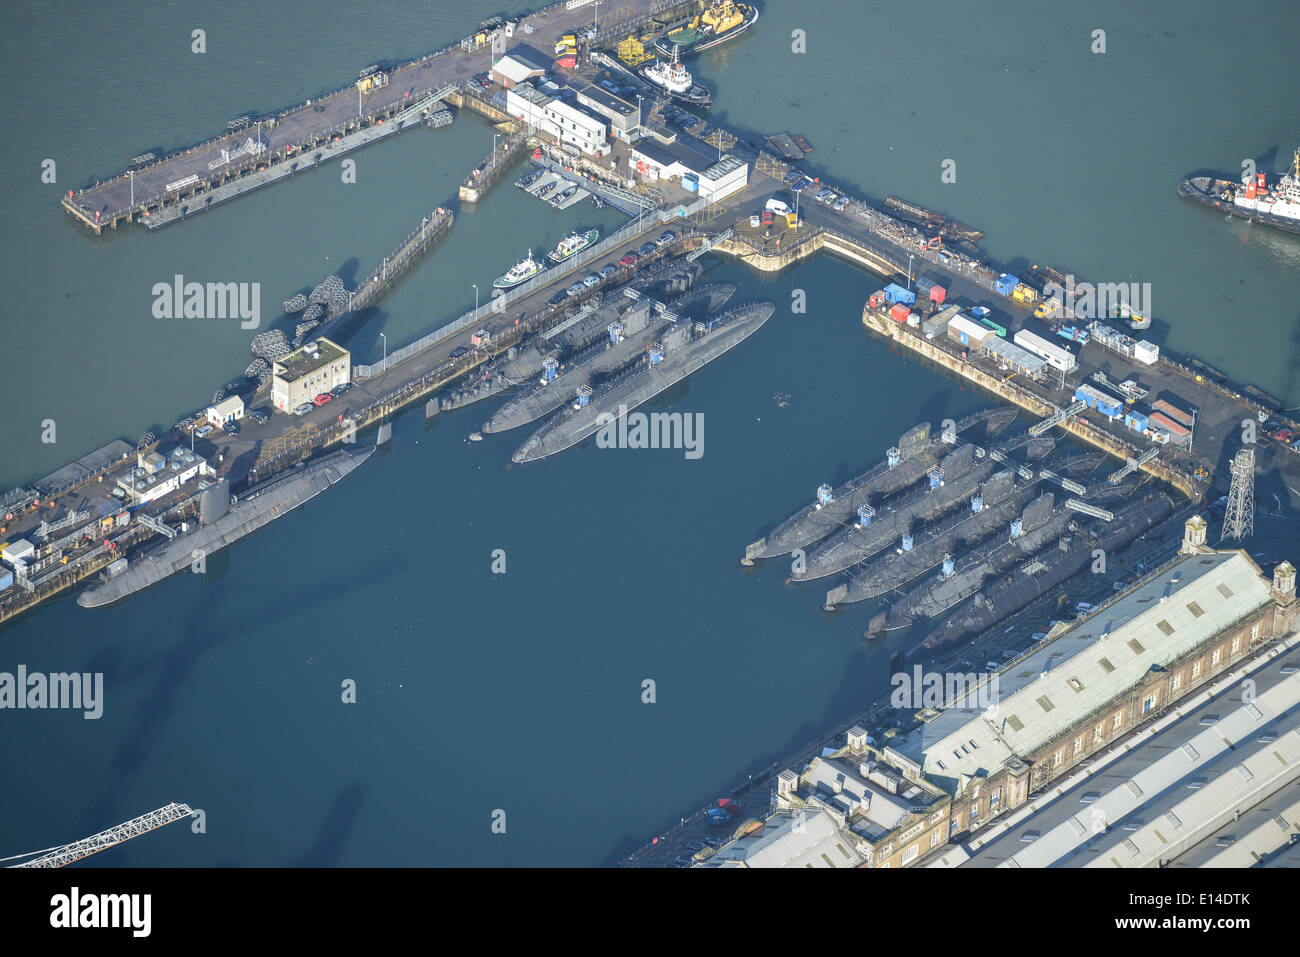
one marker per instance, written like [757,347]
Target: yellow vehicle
[566,45]
[1047,308]
[791,220]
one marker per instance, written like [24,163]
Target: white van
[778,207]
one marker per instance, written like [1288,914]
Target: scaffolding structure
[1239,519]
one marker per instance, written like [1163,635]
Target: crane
[68,853]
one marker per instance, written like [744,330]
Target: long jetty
[256,151]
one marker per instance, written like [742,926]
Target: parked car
[338,390]
[322,398]
[1295,446]
[576,288]
[232,428]
[767,217]
[666,238]
[754,221]
[629,259]
[1284,435]
[592,280]
[608,270]
[841,204]
[303,409]
[258,416]
[458,352]
[646,249]
[204,431]
[558,298]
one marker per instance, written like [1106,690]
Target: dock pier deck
[185,182]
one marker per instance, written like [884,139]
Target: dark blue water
[522,691]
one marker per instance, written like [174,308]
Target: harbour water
[523,691]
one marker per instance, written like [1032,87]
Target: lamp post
[475,285]
[909,272]
[385,338]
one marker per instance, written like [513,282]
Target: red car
[628,260]
[1283,435]
[322,398]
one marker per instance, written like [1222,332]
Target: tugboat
[572,244]
[674,80]
[1255,202]
[522,271]
[724,20]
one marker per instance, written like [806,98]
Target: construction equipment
[631,51]
[68,853]
[567,45]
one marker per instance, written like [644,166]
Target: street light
[385,338]
[909,272]
[475,285]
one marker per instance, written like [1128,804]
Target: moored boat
[572,244]
[522,271]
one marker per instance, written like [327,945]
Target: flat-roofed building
[728,175]
[319,366]
[156,476]
[567,124]
[623,117]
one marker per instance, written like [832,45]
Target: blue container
[1005,283]
[6,579]
[690,182]
[1137,421]
[896,294]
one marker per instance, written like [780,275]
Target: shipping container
[116,568]
[1023,293]
[877,299]
[896,293]
[914,319]
[938,294]
[899,312]
[934,326]
[6,578]
[1103,402]
[1137,421]
[1057,357]
[1005,283]
[1146,352]
[1173,412]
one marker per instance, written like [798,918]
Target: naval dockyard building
[894,798]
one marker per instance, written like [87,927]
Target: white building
[567,124]
[728,175]
[227,410]
[150,480]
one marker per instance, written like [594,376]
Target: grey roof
[1014,355]
[1091,663]
[807,839]
[1227,743]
